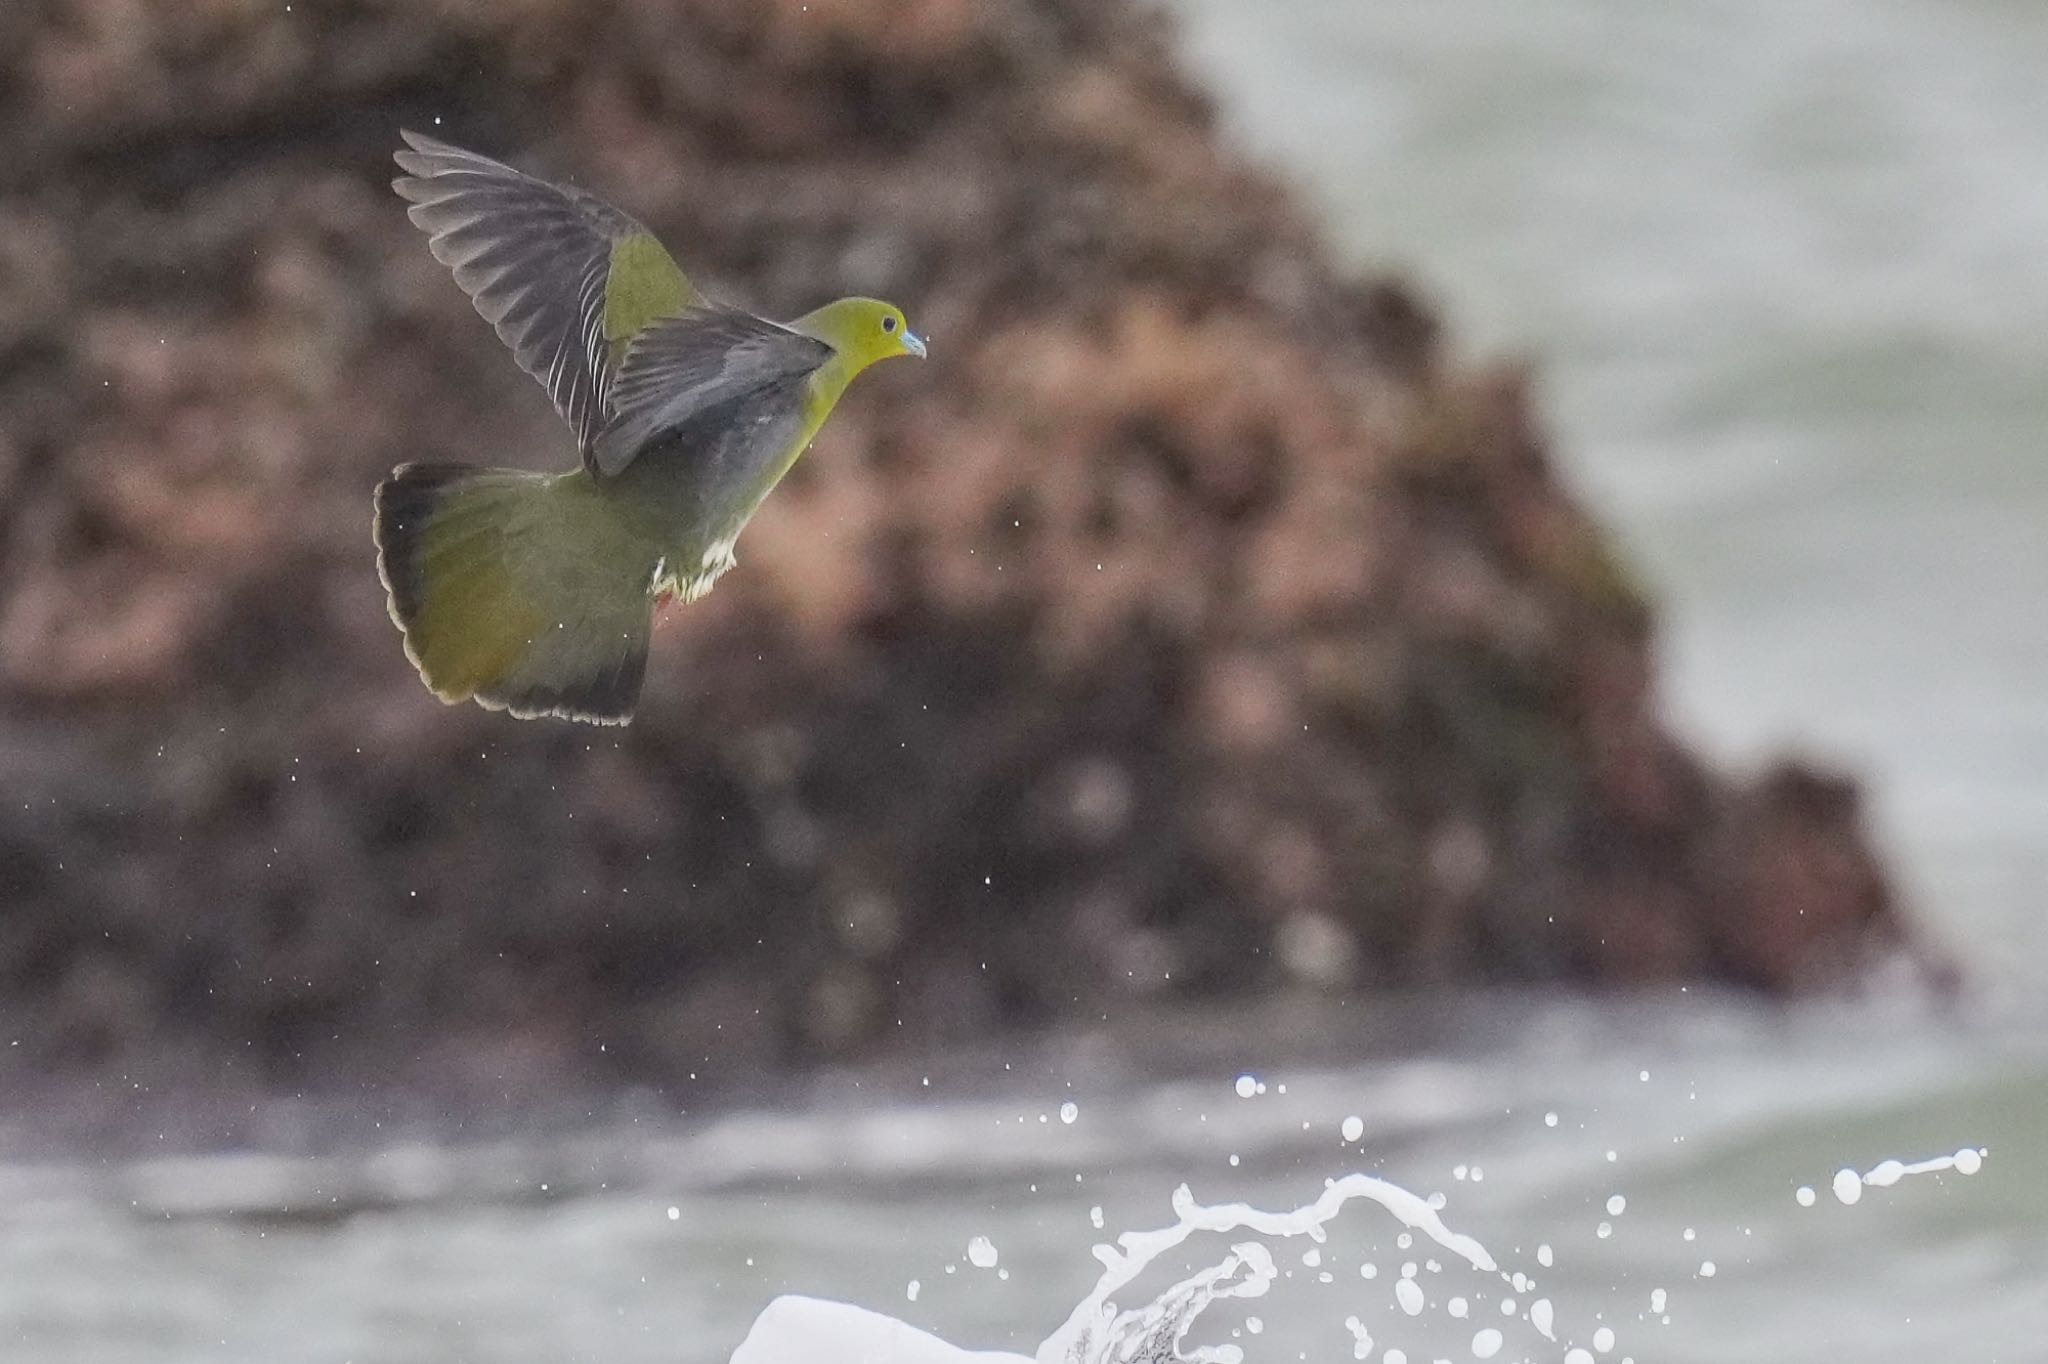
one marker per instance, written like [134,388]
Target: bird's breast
[697,486]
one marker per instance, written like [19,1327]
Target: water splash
[799,1330]
[1097,1331]
[1849,1185]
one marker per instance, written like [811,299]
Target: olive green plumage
[534,593]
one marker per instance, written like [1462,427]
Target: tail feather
[516,590]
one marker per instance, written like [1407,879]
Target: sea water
[1696,1186]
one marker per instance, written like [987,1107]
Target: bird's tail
[520,590]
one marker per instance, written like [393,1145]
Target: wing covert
[681,367]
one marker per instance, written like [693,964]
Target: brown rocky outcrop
[1194,622]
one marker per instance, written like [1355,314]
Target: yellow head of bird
[862,330]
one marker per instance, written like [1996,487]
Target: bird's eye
[888,324]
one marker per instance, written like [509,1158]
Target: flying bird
[534,593]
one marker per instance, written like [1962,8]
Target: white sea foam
[795,1330]
[798,1330]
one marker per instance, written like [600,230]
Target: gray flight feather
[533,257]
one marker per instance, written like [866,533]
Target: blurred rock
[1190,623]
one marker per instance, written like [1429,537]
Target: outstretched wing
[565,278]
[682,367]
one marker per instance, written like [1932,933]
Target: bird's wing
[565,278]
[682,367]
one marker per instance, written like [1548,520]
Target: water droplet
[1247,1086]
[1603,1339]
[1354,1127]
[1803,1195]
[1541,1317]
[912,1289]
[1486,1344]
[1408,1293]
[1848,1185]
[1615,1204]
[1543,1255]
[1069,1111]
[981,1253]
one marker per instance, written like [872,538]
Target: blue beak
[913,344]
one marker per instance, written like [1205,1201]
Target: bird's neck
[827,385]
[822,392]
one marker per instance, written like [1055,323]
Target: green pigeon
[534,593]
